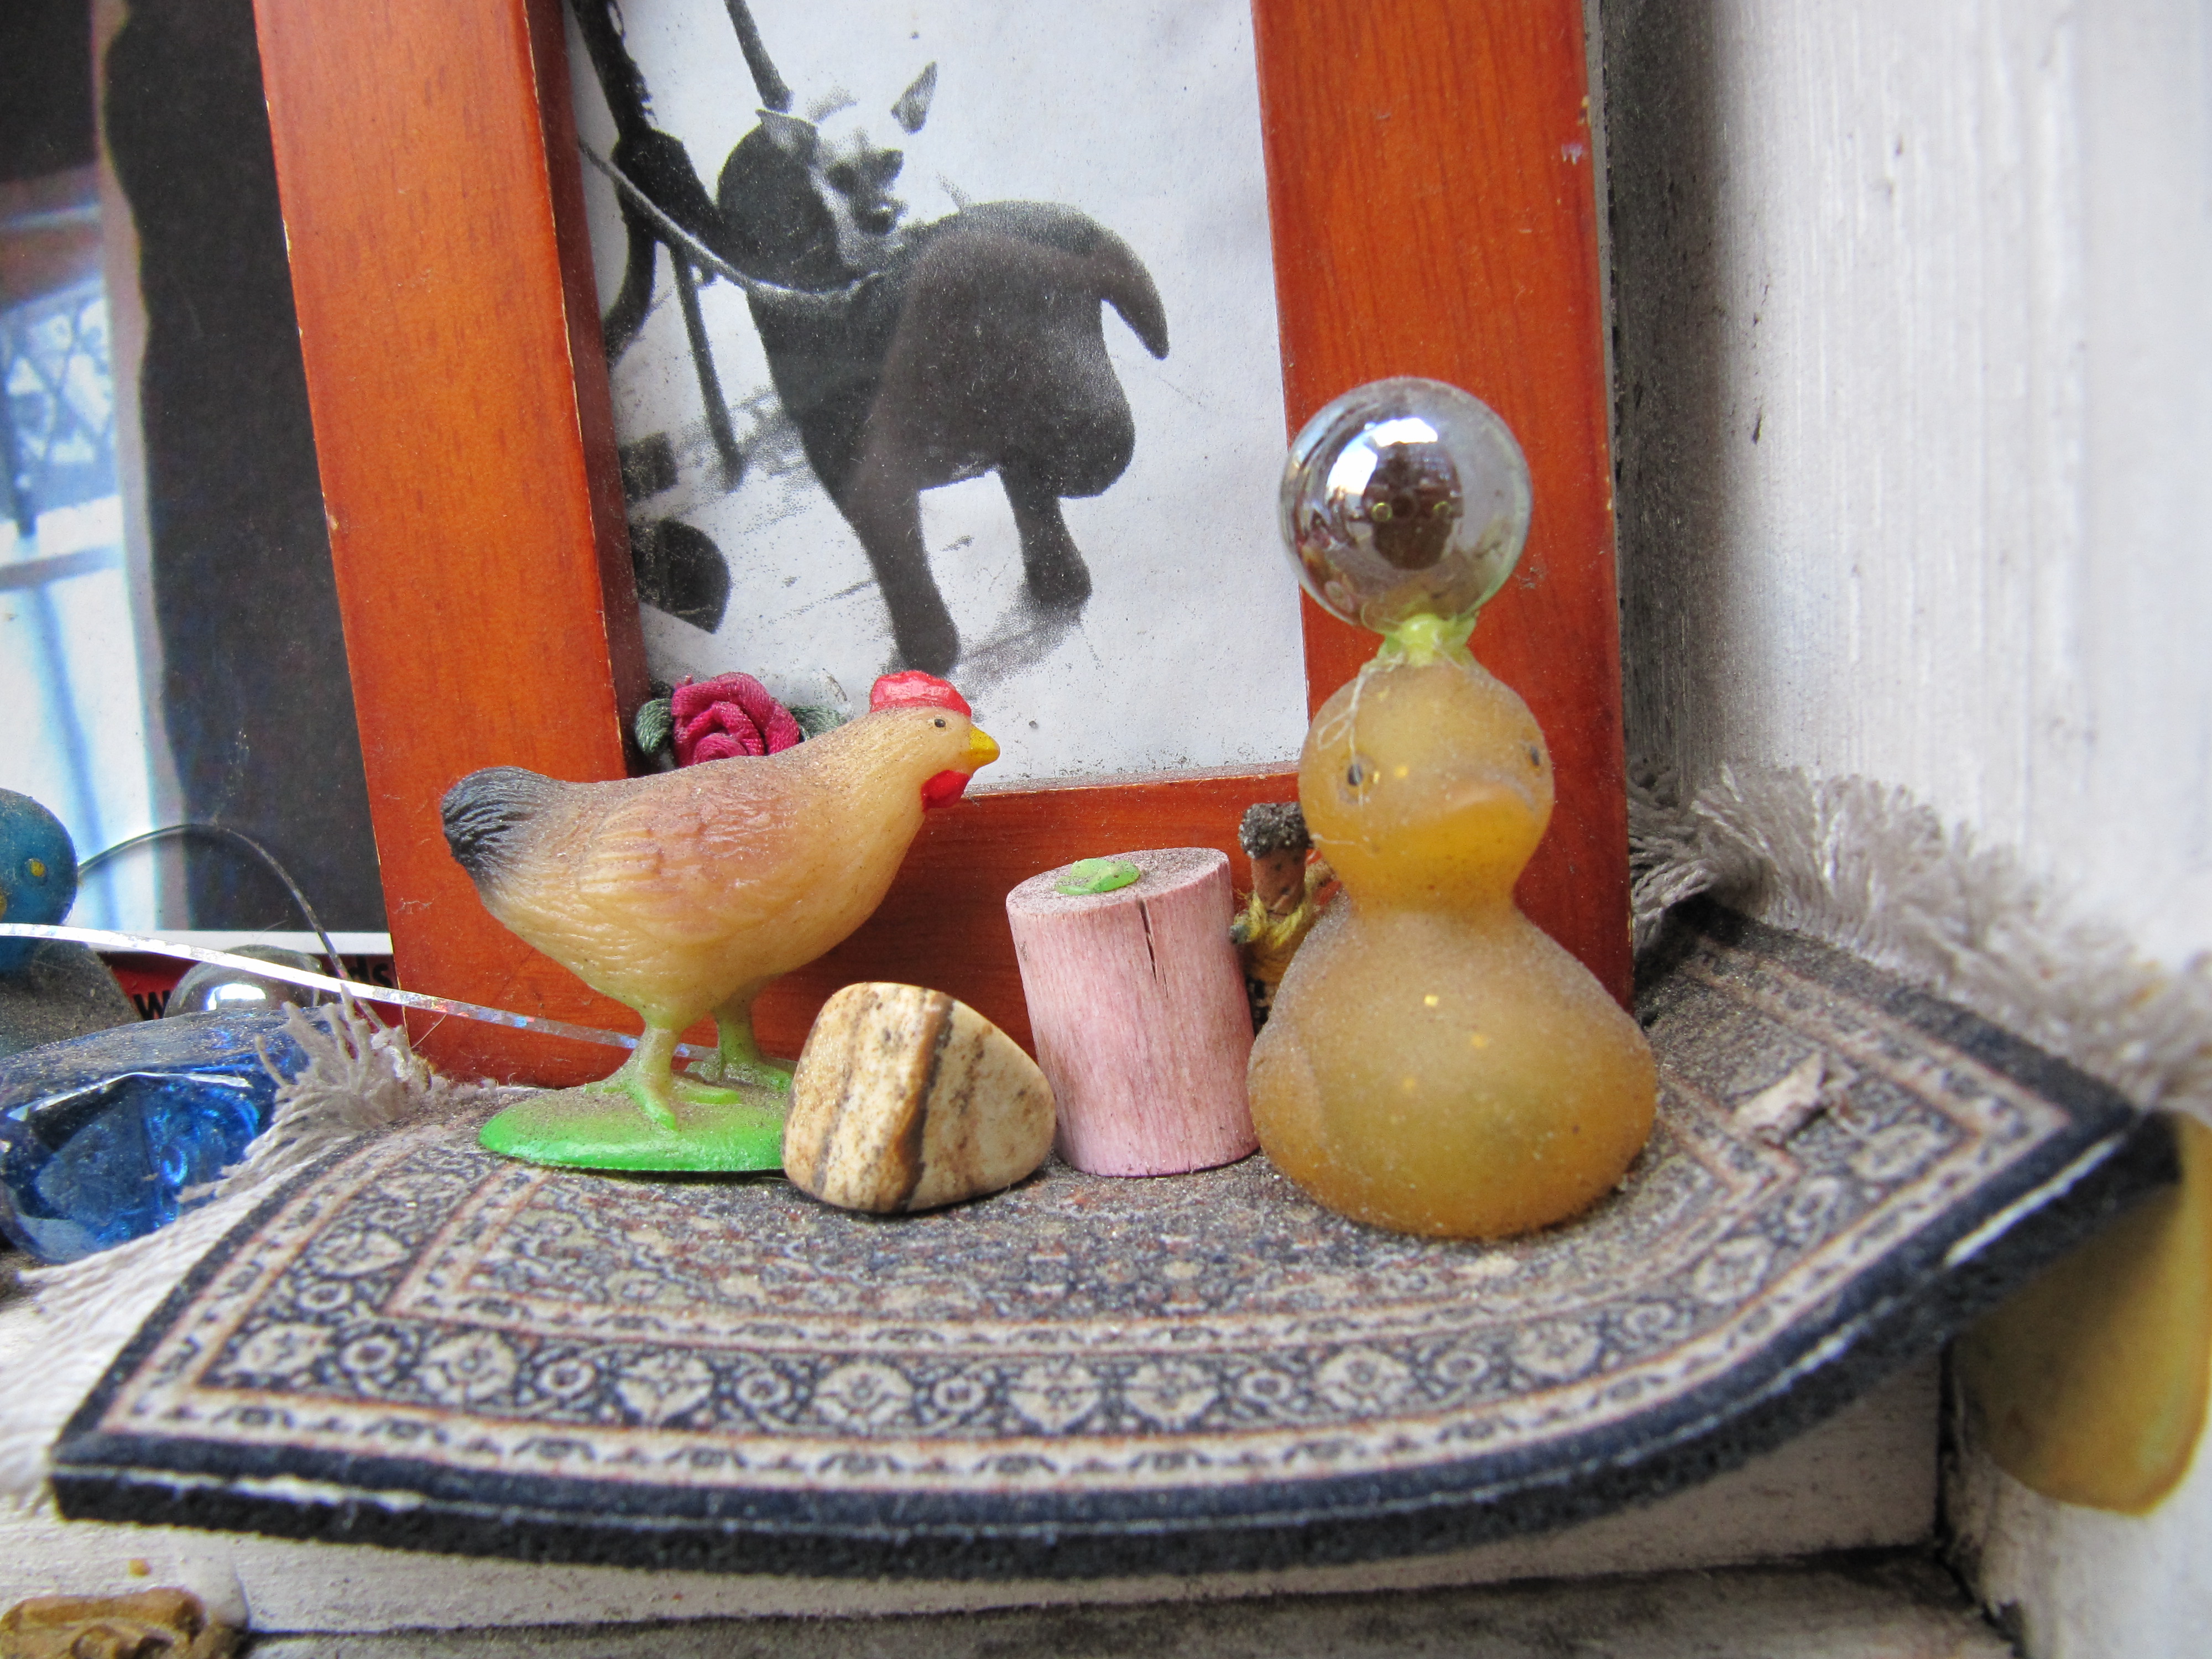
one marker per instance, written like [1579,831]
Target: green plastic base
[596,1127]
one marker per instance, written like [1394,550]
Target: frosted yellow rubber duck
[1434,1062]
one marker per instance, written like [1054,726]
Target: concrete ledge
[1880,1607]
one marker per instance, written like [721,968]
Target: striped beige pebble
[905,1099]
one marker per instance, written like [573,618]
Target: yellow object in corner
[2089,1385]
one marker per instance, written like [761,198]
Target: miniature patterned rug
[420,1344]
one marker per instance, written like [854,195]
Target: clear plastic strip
[145,944]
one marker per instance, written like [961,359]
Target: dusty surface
[1890,1607]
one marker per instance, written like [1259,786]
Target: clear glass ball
[216,987]
[1402,497]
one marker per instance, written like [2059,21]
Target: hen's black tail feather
[483,812]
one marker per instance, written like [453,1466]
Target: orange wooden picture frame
[1431,191]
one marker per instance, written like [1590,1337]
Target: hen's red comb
[912,688]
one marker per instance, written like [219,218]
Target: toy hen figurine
[686,893]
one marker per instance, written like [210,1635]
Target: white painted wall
[1914,357]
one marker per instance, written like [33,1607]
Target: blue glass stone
[101,1136]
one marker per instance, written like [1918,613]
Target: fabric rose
[729,715]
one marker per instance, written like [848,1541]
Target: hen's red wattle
[944,789]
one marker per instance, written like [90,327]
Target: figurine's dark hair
[1272,826]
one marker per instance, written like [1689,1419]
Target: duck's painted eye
[1356,776]
[38,869]
[1535,757]
[941,726]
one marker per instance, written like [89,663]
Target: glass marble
[214,988]
[1405,497]
[101,1137]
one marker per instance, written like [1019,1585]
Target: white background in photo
[1145,116]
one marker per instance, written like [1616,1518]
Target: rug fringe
[362,1076]
[1864,866]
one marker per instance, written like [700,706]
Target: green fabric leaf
[1087,875]
[654,725]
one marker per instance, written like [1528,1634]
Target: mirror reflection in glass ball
[214,987]
[1402,497]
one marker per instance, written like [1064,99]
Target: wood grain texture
[1139,1016]
[1429,177]
[448,322]
[462,420]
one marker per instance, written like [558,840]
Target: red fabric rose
[729,715]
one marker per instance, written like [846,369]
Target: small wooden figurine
[1138,1009]
[686,893]
[1289,888]
[1433,1062]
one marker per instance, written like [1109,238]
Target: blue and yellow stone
[38,872]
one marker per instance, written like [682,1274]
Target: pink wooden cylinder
[1139,1010]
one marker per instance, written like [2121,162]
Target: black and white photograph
[942,336]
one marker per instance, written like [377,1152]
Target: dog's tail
[1127,286]
[1118,275]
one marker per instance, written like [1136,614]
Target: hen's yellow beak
[981,750]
